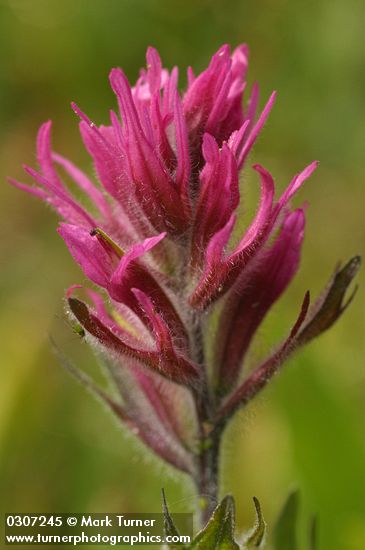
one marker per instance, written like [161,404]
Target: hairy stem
[207,476]
[207,482]
[207,479]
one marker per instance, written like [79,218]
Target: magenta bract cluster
[156,241]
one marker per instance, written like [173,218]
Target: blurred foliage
[59,449]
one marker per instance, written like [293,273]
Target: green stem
[207,476]
[207,482]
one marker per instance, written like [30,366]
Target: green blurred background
[60,451]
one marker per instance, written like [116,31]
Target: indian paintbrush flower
[157,247]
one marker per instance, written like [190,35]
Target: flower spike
[159,247]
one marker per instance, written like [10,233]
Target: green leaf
[285,530]
[255,538]
[169,526]
[218,534]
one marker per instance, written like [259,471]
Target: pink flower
[157,244]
